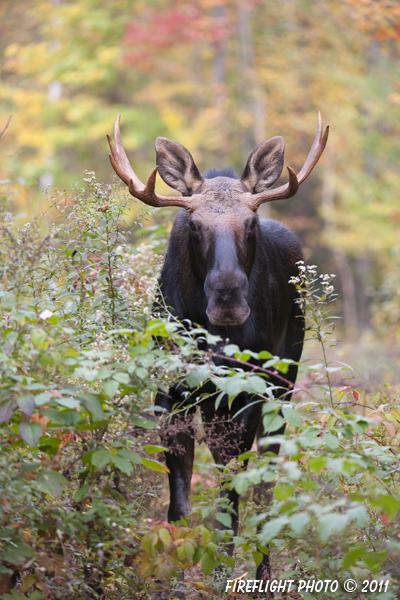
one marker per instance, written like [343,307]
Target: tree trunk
[252,99]
[349,294]
[220,87]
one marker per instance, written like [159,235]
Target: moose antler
[145,193]
[289,189]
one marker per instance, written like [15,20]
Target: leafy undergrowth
[82,476]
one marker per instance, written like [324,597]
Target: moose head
[221,221]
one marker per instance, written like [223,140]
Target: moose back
[227,270]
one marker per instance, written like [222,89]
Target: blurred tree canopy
[219,77]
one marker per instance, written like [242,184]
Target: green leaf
[283,492]
[28,466]
[49,445]
[298,522]
[142,422]
[151,448]
[133,457]
[103,373]
[164,536]
[244,356]
[57,417]
[317,463]
[142,373]
[101,458]
[352,556]
[13,557]
[43,398]
[309,437]
[268,476]
[224,518]
[28,583]
[30,432]
[39,338]
[56,476]
[53,319]
[93,405]
[49,483]
[331,523]
[264,354]
[94,425]
[272,529]
[375,560]
[241,481]
[247,455]
[272,422]
[270,406]
[155,465]
[390,505]
[87,374]
[24,549]
[36,595]
[231,350]
[292,416]
[68,402]
[205,535]
[256,384]
[6,410]
[122,377]
[231,385]
[197,377]
[206,511]
[122,464]
[11,337]
[188,549]
[110,387]
[208,563]
[81,492]
[198,553]
[331,440]
[26,403]
[149,542]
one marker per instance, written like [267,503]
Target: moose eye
[192,226]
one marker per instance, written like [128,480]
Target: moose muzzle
[226,294]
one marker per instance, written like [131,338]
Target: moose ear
[264,165]
[176,166]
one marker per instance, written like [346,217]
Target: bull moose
[227,270]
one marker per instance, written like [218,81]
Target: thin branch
[273,373]
[371,437]
[6,125]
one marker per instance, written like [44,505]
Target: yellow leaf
[390,430]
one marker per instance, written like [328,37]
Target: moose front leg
[229,437]
[179,438]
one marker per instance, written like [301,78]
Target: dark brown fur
[228,271]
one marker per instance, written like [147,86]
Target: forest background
[220,77]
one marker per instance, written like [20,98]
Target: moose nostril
[226,286]
[229,293]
